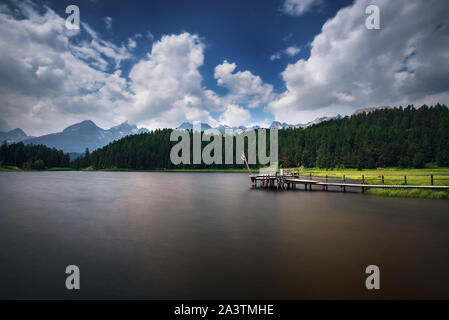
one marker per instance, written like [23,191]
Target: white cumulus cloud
[234,115]
[243,86]
[46,81]
[168,86]
[49,81]
[350,66]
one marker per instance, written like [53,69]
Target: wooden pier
[290,180]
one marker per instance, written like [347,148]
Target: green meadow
[391,176]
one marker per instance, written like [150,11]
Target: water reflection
[208,235]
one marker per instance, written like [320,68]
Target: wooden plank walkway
[290,178]
[289,181]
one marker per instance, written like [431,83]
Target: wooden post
[405,179]
[383,180]
[431,179]
[344,178]
[326,177]
[310,176]
[363,180]
[243,157]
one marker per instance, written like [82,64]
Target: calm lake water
[208,235]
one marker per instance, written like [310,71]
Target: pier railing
[289,179]
[430,179]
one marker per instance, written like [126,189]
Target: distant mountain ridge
[282,125]
[370,109]
[189,126]
[12,136]
[86,134]
[274,125]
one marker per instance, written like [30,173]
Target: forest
[398,137]
[37,157]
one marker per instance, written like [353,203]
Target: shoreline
[415,176]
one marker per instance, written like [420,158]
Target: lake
[209,235]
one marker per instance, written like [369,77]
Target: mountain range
[12,136]
[279,125]
[274,125]
[75,138]
[86,134]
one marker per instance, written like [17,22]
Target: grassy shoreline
[393,176]
[410,193]
[370,176]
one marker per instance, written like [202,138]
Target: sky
[158,63]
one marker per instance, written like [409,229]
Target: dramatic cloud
[168,86]
[51,77]
[350,66]
[243,86]
[234,115]
[105,48]
[299,7]
[46,81]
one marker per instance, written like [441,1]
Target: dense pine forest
[399,137]
[36,157]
